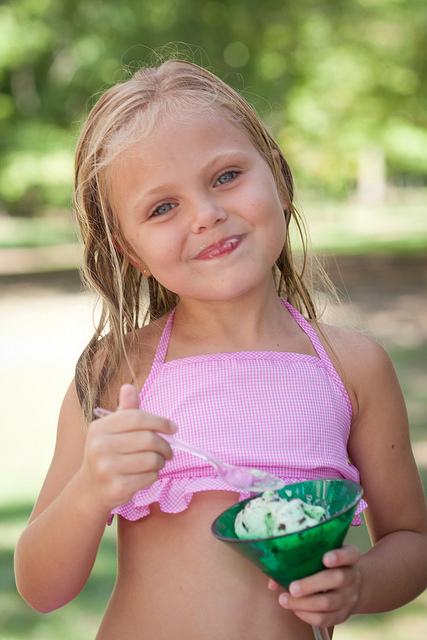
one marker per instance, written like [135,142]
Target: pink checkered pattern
[285,413]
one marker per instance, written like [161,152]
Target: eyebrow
[140,202]
[157,190]
[226,157]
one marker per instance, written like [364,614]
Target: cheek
[157,249]
[274,218]
[265,203]
[277,228]
[136,242]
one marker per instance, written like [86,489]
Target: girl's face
[200,208]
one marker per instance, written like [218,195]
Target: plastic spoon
[242,478]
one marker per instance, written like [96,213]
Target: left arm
[394,570]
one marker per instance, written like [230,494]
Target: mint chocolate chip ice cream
[270,515]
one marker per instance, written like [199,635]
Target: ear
[141,267]
[138,265]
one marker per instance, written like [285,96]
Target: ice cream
[270,515]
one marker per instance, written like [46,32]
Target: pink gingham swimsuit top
[285,413]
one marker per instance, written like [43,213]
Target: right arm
[89,476]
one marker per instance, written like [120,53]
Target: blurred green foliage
[333,79]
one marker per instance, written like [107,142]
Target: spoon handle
[321,633]
[184,446]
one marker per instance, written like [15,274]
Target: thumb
[128,397]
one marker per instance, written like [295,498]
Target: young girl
[185,206]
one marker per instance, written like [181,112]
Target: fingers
[321,611]
[325,608]
[345,556]
[143,463]
[132,441]
[131,420]
[339,574]
[128,397]
[324,581]
[330,596]
[128,416]
[124,451]
[336,561]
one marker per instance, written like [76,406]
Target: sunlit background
[340,83]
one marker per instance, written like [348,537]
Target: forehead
[175,134]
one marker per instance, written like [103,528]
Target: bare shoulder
[362,362]
[142,347]
[355,351]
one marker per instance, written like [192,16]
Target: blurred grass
[36,232]
[397,226]
[411,367]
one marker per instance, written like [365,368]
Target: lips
[219,249]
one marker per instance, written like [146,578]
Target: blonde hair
[123,111]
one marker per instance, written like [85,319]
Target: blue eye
[228,176]
[163,208]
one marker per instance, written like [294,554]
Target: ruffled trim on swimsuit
[175,494]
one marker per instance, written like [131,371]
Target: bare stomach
[175,581]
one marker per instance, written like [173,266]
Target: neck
[241,323]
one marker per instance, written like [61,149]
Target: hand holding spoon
[242,478]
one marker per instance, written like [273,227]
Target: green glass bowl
[296,555]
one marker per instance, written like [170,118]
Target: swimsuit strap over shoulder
[163,345]
[319,348]
[160,354]
[308,329]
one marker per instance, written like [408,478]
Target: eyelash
[156,213]
[234,175]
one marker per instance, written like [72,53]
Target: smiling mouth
[220,249]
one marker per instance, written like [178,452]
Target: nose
[206,213]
